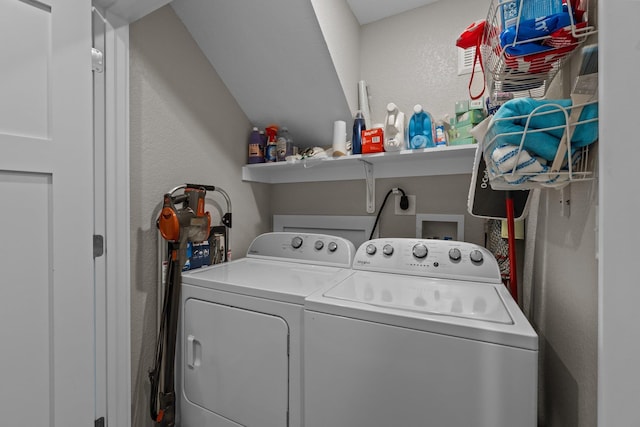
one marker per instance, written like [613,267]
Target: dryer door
[236,363]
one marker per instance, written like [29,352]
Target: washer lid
[277,280]
[425,295]
[473,310]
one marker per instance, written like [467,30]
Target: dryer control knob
[333,246]
[454,254]
[476,256]
[319,245]
[387,250]
[371,249]
[296,242]
[420,250]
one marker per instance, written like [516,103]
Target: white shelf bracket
[371,186]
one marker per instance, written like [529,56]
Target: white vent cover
[465,60]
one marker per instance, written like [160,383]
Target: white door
[46,214]
[235,366]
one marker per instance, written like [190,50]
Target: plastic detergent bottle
[394,129]
[420,131]
[358,127]
[284,144]
[256,147]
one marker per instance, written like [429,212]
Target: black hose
[404,204]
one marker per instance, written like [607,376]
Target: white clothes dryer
[422,334]
[239,353]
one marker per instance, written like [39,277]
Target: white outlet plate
[412,206]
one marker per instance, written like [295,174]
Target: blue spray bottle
[420,131]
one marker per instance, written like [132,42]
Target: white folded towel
[517,166]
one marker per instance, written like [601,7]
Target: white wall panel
[25,62]
[26,266]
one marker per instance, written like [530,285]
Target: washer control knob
[333,246]
[420,250]
[296,242]
[454,254]
[371,249]
[319,245]
[476,256]
[387,250]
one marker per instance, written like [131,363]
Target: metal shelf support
[371,186]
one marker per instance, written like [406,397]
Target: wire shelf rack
[513,146]
[526,43]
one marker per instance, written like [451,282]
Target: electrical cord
[404,205]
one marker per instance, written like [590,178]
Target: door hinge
[98,245]
[99,422]
[97,60]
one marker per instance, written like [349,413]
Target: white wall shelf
[424,162]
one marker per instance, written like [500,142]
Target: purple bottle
[256,147]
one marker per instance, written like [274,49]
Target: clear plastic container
[284,145]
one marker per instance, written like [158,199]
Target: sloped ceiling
[367,11]
[273,59]
[130,10]
[272,56]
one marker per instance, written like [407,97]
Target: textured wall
[562,299]
[341,32]
[185,127]
[434,195]
[179,106]
[564,307]
[411,58]
[408,58]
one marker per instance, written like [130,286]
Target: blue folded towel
[532,29]
[508,125]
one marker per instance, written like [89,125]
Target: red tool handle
[513,279]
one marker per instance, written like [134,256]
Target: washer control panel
[430,258]
[309,248]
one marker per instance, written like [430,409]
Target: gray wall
[178,102]
[185,127]
[341,32]
[434,195]
[562,300]
[411,58]
[564,297]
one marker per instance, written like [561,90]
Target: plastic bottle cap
[391,106]
[417,108]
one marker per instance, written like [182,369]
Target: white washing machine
[239,353]
[422,334]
